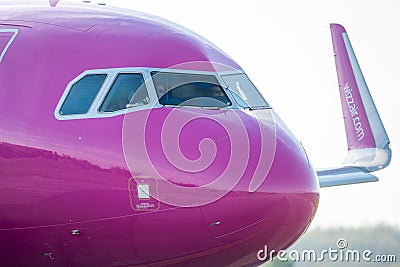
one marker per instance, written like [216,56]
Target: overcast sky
[285,48]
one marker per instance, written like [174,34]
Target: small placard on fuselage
[143,191]
[143,194]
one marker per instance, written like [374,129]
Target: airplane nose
[244,170]
[291,171]
[282,206]
[206,154]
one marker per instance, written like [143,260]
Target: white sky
[285,48]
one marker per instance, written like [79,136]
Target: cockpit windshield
[111,92]
[244,92]
[185,89]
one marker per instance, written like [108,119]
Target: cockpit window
[128,90]
[184,89]
[82,94]
[244,92]
[105,93]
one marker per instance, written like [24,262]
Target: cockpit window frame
[112,73]
[238,98]
[7,45]
[70,96]
[94,111]
[209,74]
[115,78]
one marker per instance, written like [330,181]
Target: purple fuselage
[67,197]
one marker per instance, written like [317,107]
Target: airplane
[128,140]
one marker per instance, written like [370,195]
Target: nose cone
[282,206]
[277,161]
[291,171]
[244,170]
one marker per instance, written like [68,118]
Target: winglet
[367,140]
